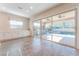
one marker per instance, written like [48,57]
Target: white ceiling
[25,9]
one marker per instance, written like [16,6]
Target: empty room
[39,29]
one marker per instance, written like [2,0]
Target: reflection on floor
[61,38]
[35,47]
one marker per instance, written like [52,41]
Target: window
[16,24]
[69,23]
[57,25]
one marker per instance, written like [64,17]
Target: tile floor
[35,47]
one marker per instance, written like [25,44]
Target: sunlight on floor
[57,39]
[63,39]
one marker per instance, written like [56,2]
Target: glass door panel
[36,28]
[43,31]
[47,31]
[63,29]
[46,28]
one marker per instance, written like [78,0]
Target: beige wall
[56,10]
[5,25]
[6,32]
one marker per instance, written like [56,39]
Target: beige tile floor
[35,47]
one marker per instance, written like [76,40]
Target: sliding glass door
[59,28]
[36,28]
[63,28]
[47,31]
[46,28]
